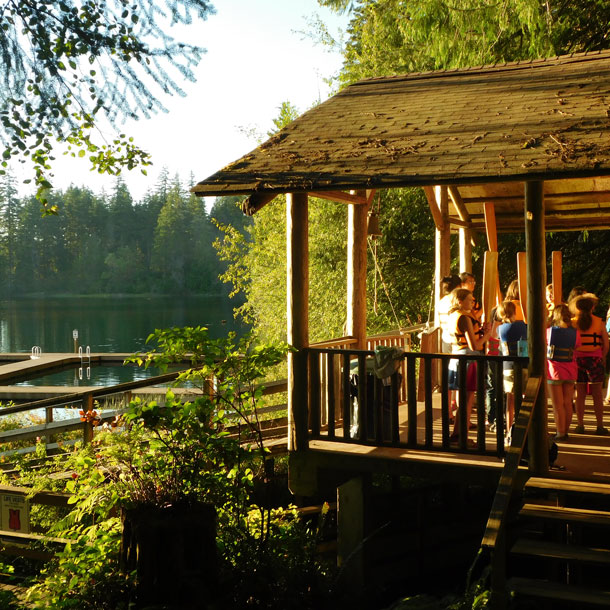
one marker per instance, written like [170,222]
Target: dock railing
[92,416]
[349,403]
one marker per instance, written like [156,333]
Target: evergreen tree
[10,207]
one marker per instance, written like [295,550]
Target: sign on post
[15,513]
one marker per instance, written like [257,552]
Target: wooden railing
[349,403]
[85,400]
[396,338]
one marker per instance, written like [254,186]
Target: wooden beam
[490,280]
[574,197]
[556,269]
[356,273]
[297,288]
[458,202]
[358,198]
[252,204]
[458,222]
[536,316]
[522,281]
[439,221]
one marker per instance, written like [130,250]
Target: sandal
[606,402]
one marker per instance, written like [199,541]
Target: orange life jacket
[518,311]
[591,338]
[459,337]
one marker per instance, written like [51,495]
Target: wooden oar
[491,231]
[490,280]
[522,279]
[556,271]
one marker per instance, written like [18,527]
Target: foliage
[182,453]
[399,36]
[66,63]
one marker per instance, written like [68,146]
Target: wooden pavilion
[526,144]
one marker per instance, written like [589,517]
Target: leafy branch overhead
[65,64]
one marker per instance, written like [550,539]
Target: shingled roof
[481,129]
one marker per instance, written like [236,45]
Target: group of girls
[577,348]
[467,335]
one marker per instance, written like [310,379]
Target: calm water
[105,324]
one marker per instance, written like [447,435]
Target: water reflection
[118,324]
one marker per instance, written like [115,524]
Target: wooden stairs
[559,546]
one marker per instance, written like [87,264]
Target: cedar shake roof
[483,130]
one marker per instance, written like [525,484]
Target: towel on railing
[387,360]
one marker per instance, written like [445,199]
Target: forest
[109,243]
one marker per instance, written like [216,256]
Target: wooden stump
[173,550]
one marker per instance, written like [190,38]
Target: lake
[105,324]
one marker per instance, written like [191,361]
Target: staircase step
[567,485]
[559,591]
[555,550]
[562,513]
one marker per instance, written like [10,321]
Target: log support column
[352,498]
[465,236]
[442,258]
[356,273]
[536,320]
[297,289]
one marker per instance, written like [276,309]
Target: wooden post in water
[297,288]
[536,321]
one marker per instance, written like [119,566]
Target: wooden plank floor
[581,456]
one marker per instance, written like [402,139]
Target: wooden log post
[465,238]
[297,289]
[352,528]
[536,321]
[442,259]
[439,208]
[356,273]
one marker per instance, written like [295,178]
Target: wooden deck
[581,456]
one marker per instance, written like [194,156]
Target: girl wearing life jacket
[562,371]
[469,337]
[590,357]
[510,332]
[512,294]
[448,284]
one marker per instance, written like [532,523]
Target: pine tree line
[110,244]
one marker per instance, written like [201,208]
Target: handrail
[95,393]
[340,341]
[506,485]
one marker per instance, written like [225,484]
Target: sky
[257,57]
